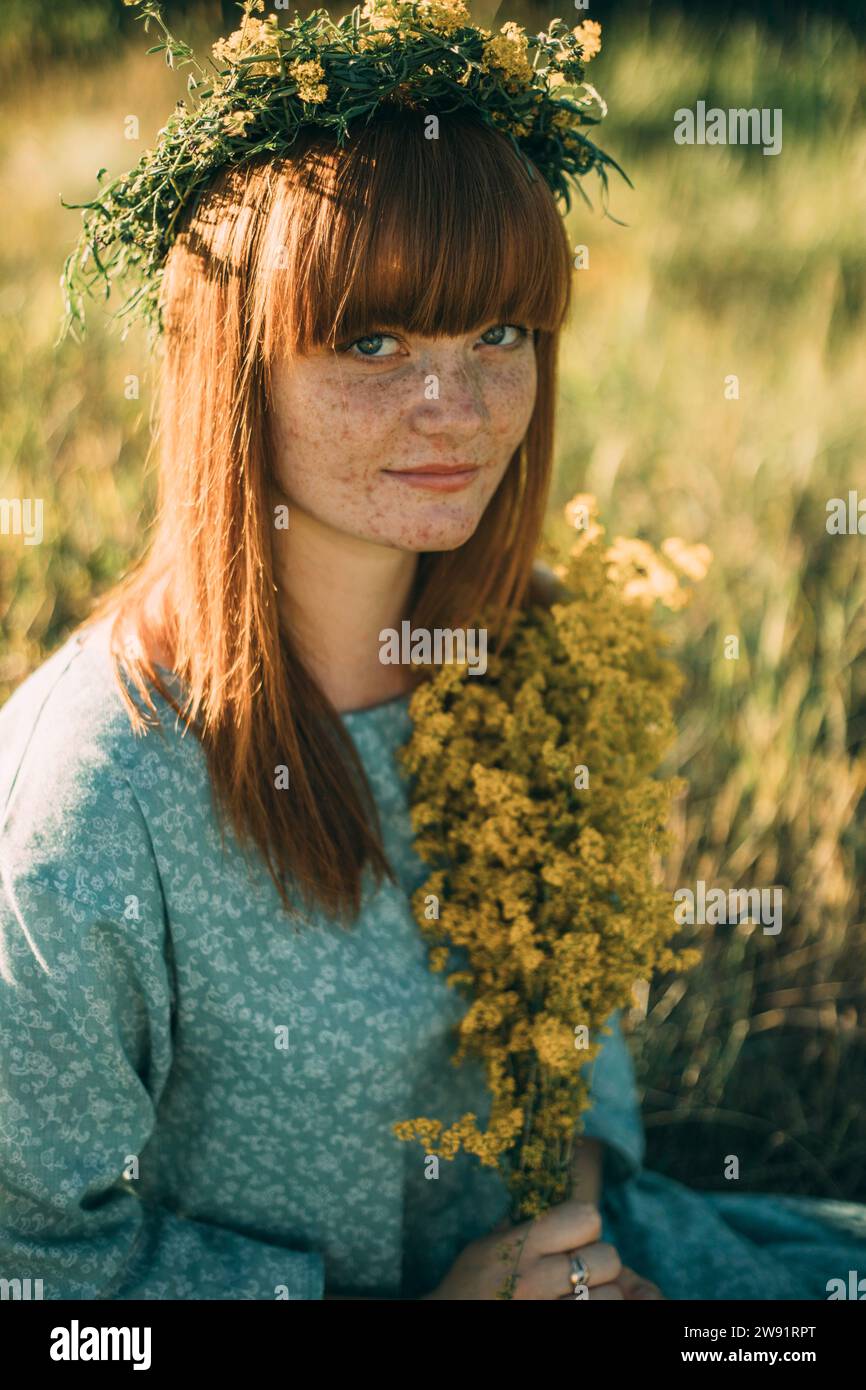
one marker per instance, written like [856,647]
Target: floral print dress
[196,1094]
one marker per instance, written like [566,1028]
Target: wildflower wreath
[535,802]
[265,82]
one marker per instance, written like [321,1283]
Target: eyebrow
[378,327]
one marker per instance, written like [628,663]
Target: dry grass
[736,262]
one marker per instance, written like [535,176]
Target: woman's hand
[637,1288]
[538,1254]
[586,1183]
[628,1286]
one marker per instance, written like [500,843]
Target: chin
[437,531]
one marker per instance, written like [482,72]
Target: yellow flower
[554,1043]
[444,16]
[438,958]
[552,894]
[588,35]
[508,53]
[642,575]
[255,37]
[381,39]
[693,560]
[308,76]
[236,122]
[381,14]
[566,119]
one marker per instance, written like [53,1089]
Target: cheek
[511,401]
[325,436]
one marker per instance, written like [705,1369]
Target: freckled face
[399,439]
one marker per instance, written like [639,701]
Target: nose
[451,397]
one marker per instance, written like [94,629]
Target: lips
[436,477]
[435,469]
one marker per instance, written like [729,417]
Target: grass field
[732,263]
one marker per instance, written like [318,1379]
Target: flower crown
[266,82]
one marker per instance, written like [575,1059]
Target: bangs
[431,236]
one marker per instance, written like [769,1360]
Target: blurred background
[731,262]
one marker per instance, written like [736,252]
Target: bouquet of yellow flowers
[535,801]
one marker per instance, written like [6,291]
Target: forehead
[437,243]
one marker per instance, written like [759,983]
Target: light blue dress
[196,1095]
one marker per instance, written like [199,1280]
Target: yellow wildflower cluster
[445,16]
[566,119]
[236,122]
[644,578]
[508,52]
[383,39]
[255,37]
[641,573]
[507,122]
[588,35]
[310,80]
[693,560]
[549,904]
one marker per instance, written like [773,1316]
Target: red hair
[438,236]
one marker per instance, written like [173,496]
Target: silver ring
[579,1274]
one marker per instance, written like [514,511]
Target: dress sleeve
[86,996]
[615,1114]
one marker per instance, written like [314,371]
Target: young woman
[214,999]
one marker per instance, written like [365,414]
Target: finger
[604,1293]
[550,1275]
[562,1227]
[634,1286]
[628,1280]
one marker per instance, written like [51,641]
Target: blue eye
[503,327]
[376,339]
[367,348]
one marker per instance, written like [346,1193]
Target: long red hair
[438,236]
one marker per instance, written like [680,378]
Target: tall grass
[740,263]
[731,263]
